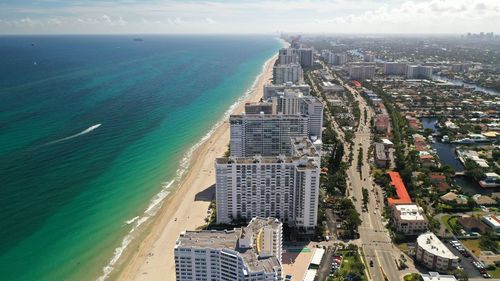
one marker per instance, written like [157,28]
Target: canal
[447,156]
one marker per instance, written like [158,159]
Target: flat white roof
[434,276]
[310,275]
[493,220]
[410,212]
[387,141]
[431,244]
[318,256]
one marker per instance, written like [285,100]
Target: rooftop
[403,196]
[229,240]
[492,220]
[434,276]
[431,244]
[410,212]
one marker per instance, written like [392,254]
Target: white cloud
[106,19]
[210,21]
[315,16]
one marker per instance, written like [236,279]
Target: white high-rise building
[271,90]
[306,57]
[288,73]
[395,68]
[361,71]
[251,253]
[418,72]
[302,56]
[284,187]
[295,102]
[288,56]
[265,134]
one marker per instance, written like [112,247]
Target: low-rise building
[249,253]
[435,276]
[493,222]
[382,123]
[433,254]
[381,158]
[402,194]
[409,219]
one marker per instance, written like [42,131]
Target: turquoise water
[69,185]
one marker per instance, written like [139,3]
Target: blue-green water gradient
[68,185]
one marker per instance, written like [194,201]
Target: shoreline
[185,208]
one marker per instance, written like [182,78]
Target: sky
[242,16]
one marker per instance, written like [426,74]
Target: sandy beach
[186,208]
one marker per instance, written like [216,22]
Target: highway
[374,237]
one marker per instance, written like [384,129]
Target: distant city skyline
[218,16]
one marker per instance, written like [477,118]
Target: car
[371,263]
[486,275]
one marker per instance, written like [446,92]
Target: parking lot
[466,263]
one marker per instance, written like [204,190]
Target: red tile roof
[403,196]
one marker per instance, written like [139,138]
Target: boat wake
[86,131]
[156,202]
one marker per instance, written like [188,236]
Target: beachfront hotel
[242,254]
[265,134]
[288,73]
[284,187]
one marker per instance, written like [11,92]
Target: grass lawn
[349,263]
[411,277]
[449,222]
[472,245]
[495,273]
[403,247]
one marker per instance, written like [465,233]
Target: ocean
[93,132]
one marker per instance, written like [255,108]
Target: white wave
[184,164]
[132,220]
[86,131]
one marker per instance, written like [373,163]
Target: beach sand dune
[187,207]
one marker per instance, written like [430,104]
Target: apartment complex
[251,253]
[295,102]
[409,219]
[302,56]
[288,73]
[288,56]
[265,134]
[284,187]
[395,68]
[361,71]
[419,72]
[432,253]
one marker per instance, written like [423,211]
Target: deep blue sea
[92,128]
